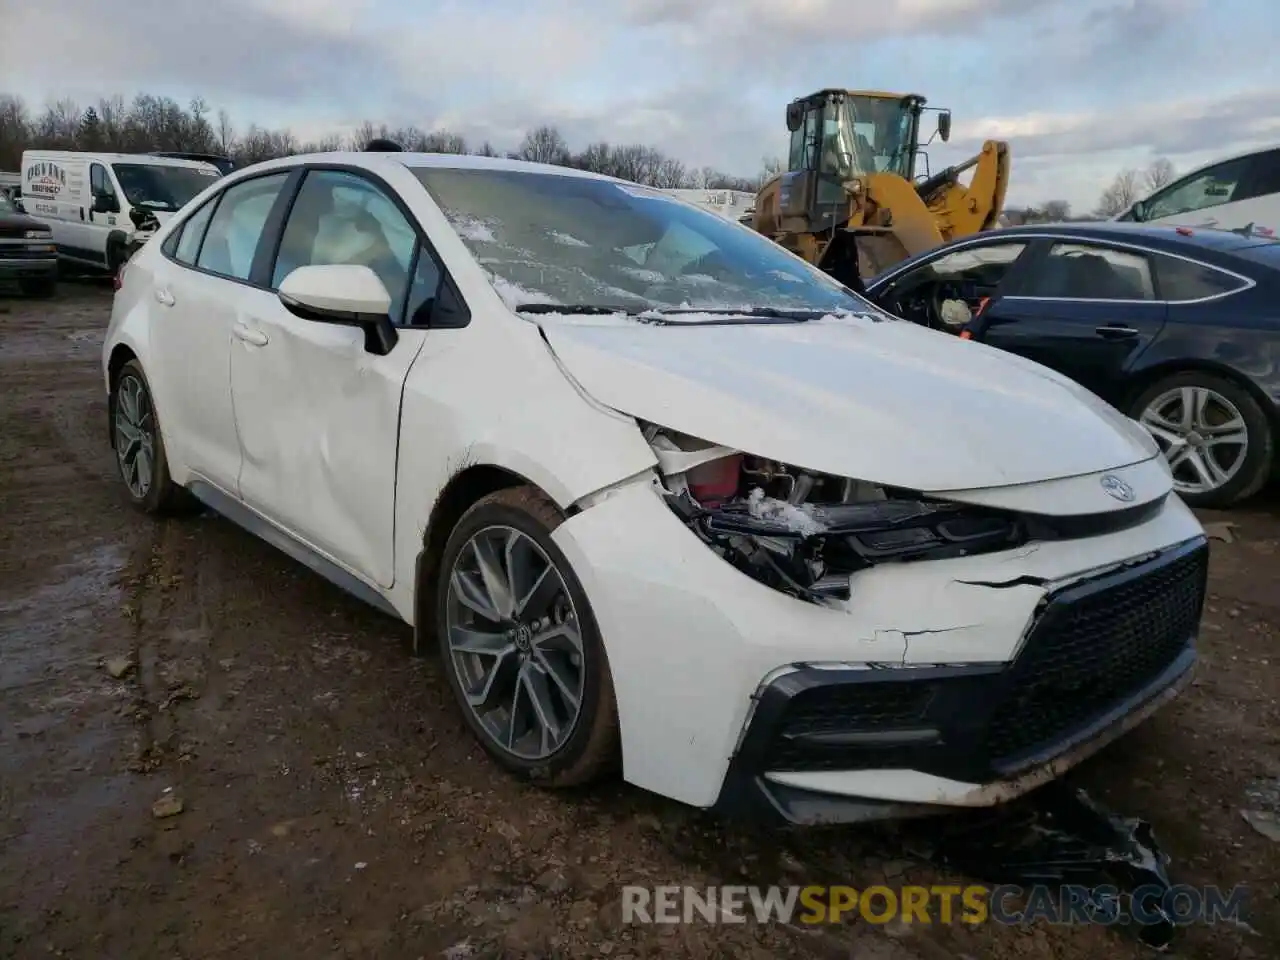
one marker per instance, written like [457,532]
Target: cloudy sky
[1080,88]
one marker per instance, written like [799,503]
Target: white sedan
[665,497]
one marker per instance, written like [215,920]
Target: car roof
[1158,236]
[150,159]
[1195,242]
[372,159]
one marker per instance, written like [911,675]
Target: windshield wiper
[725,316]
[583,309]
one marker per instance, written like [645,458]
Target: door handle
[250,336]
[164,297]
[1115,332]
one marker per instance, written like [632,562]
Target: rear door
[1084,308]
[202,287]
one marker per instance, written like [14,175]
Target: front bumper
[1102,655]
[694,646]
[23,264]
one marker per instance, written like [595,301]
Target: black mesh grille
[860,708]
[1095,651]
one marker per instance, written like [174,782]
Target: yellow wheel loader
[851,201]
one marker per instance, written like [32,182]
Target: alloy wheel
[135,435]
[1203,435]
[515,643]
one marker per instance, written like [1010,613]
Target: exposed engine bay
[806,533]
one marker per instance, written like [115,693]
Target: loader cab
[838,136]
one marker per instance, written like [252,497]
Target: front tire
[520,645]
[139,446]
[1215,435]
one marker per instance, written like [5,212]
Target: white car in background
[1240,193]
[665,496]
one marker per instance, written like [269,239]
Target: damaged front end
[807,533]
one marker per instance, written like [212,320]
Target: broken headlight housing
[806,533]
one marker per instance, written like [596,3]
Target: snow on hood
[882,401]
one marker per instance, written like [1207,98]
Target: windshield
[155,187]
[569,240]
[882,134]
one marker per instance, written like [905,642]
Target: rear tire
[139,446]
[1196,443]
[528,669]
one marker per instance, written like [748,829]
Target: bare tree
[226,132]
[1159,174]
[544,145]
[770,167]
[15,131]
[443,141]
[1056,211]
[150,122]
[1123,192]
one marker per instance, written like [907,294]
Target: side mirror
[1138,212]
[944,125]
[795,116]
[105,203]
[349,295]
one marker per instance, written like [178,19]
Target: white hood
[882,401]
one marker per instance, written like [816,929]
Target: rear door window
[188,246]
[1086,271]
[236,226]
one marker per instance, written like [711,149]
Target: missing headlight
[806,533]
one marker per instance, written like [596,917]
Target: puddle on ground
[34,625]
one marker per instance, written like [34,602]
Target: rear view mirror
[350,295]
[944,125]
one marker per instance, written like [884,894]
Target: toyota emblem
[1117,488]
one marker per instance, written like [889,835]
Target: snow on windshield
[579,241]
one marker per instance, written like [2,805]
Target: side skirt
[243,517]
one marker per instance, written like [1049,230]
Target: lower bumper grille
[1095,649]
[1098,650]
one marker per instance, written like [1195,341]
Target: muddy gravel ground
[331,802]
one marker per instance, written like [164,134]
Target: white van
[100,206]
[1241,193]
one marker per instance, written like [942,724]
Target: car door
[99,224]
[948,290]
[318,414]
[1084,308]
[201,288]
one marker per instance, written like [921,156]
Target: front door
[1085,310]
[318,415]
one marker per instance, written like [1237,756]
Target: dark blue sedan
[1177,327]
